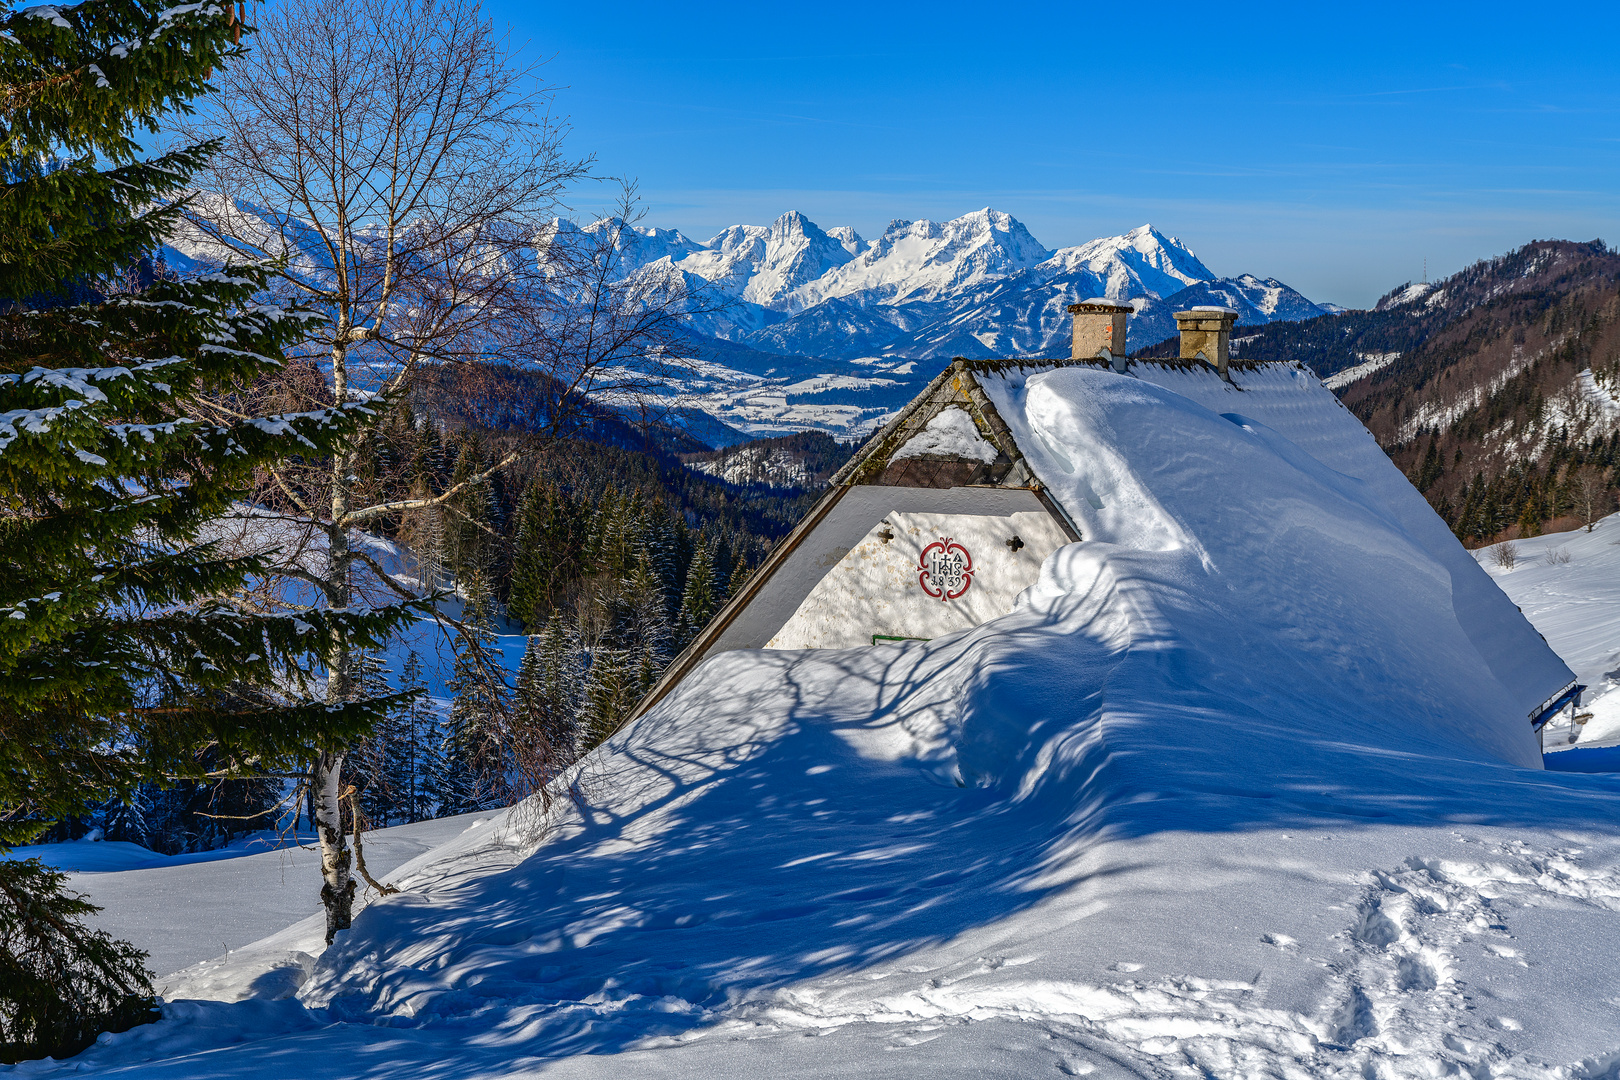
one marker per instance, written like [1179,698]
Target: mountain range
[979,285]
[809,328]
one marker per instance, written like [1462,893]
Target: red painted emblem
[945,569]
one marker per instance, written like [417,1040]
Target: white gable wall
[859,511]
[931,575]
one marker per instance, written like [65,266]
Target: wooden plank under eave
[695,653]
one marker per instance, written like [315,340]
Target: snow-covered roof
[1303,426]
[1251,477]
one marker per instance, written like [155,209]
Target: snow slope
[1371,364]
[186,908]
[1568,585]
[1230,794]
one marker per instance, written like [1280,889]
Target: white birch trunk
[337,887]
[337,878]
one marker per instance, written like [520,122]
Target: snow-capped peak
[1143,260]
[929,260]
[848,237]
[763,264]
[641,245]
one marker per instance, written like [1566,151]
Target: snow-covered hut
[946,515]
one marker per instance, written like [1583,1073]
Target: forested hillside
[611,556]
[805,460]
[1496,390]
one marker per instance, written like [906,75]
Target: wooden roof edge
[694,653]
[844,474]
[991,419]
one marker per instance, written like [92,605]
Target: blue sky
[1333,146]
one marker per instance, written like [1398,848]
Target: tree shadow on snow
[813,821]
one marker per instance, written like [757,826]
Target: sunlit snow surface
[1230,794]
[183,909]
[1569,585]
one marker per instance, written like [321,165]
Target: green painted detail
[891,637]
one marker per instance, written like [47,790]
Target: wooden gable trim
[694,653]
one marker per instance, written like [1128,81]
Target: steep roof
[1281,398]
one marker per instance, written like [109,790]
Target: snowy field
[1231,793]
[1569,586]
[185,908]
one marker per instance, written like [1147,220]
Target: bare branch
[386,578]
[370,512]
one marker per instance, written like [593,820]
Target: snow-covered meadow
[1230,793]
[1568,584]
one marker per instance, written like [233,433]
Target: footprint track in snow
[1398,1006]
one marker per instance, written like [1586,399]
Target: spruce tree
[1530,517]
[367,756]
[60,983]
[411,745]
[121,652]
[544,555]
[130,818]
[471,773]
[546,709]
[472,516]
[699,602]
[608,690]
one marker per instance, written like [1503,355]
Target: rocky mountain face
[979,286]
[1497,389]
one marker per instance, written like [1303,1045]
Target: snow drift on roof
[949,434]
[1293,402]
[1309,569]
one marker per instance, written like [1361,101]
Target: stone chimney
[1099,328]
[1206,334]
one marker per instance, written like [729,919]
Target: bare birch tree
[402,169]
[1592,496]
